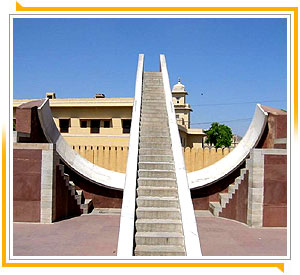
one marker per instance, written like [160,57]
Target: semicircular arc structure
[232,161]
[72,159]
[115,180]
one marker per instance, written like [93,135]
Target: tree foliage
[218,135]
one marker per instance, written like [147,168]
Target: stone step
[155,113]
[145,158]
[153,77]
[154,100]
[154,92]
[151,151]
[158,225]
[153,89]
[158,96]
[157,89]
[162,122]
[149,122]
[79,196]
[157,145]
[154,119]
[159,104]
[87,206]
[151,111]
[224,199]
[159,238]
[156,109]
[157,173]
[152,84]
[153,131]
[66,178]
[156,165]
[215,208]
[159,250]
[157,191]
[232,188]
[159,108]
[153,80]
[167,182]
[150,74]
[150,201]
[151,118]
[71,187]
[155,138]
[156,85]
[158,213]
[153,125]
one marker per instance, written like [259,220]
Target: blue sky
[229,61]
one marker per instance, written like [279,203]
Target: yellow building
[104,121]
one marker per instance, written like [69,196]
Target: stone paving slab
[97,235]
[87,235]
[223,237]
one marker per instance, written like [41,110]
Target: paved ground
[87,235]
[97,235]
[222,237]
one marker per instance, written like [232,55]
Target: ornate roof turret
[179,87]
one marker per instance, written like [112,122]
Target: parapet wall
[115,157]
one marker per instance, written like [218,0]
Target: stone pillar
[48,179]
[256,188]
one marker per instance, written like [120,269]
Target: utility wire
[240,119]
[235,103]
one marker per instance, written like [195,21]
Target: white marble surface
[80,165]
[126,232]
[191,238]
[230,162]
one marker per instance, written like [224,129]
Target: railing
[126,232]
[191,238]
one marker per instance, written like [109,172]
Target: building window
[177,98]
[64,125]
[107,123]
[14,124]
[95,126]
[83,123]
[126,123]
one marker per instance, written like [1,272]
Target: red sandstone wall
[202,197]
[27,185]
[236,209]
[102,197]
[276,128]
[66,205]
[275,191]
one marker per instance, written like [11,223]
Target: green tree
[218,135]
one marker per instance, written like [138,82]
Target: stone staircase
[224,198]
[86,205]
[158,218]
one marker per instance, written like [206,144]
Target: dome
[179,87]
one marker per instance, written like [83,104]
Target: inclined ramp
[157,216]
